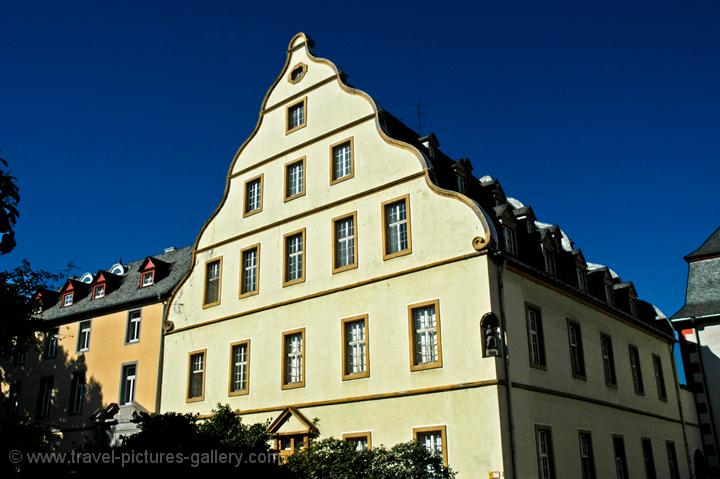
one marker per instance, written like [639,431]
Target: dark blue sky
[120,120]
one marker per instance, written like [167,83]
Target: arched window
[490,333]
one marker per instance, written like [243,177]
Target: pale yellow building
[355,274]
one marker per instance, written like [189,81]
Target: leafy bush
[340,460]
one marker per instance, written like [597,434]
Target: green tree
[18,302]
[9,199]
[340,460]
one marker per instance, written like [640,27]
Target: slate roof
[702,297]
[710,247]
[698,310]
[487,192]
[129,291]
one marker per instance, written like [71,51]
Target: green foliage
[17,303]
[9,199]
[339,460]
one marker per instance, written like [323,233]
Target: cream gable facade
[485,409]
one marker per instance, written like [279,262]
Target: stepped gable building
[100,349]
[355,274]
[698,323]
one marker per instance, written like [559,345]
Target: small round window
[297,73]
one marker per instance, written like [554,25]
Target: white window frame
[397,231]
[239,368]
[84,330]
[129,383]
[133,326]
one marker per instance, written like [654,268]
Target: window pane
[252,199]
[294,260]
[296,116]
[293,358]
[342,161]
[355,347]
[294,179]
[396,227]
[426,345]
[344,242]
[212,282]
[240,371]
[197,372]
[432,440]
[250,265]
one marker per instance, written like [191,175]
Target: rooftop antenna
[418,106]
[69,268]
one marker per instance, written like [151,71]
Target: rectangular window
[294,258]
[672,460]
[98,291]
[77,393]
[196,376]
[239,368]
[293,359]
[253,196]
[295,179]
[425,338]
[344,243]
[659,378]
[633,307]
[636,370]
[536,342]
[83,336]
[577,355]
[510,240]
[396,228]
[296,116]
[342,163]
[621,468]
[546,465]
[461,184]
[250,271]
[581,279]
[356,361]
[434,439]
[549,259]
[609,298]
[127,386]
[67,299]
[133,327]
[51,343]
[213,272]
[147,279]
[608,359]
[360,440]
[46,396]
[587,460]
[648,459]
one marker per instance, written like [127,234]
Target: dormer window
[99,291]
[633,307]
[609,294]
[67,300]
[549,260]
[461,184]
[510,241]
[147,279]
[581,279]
